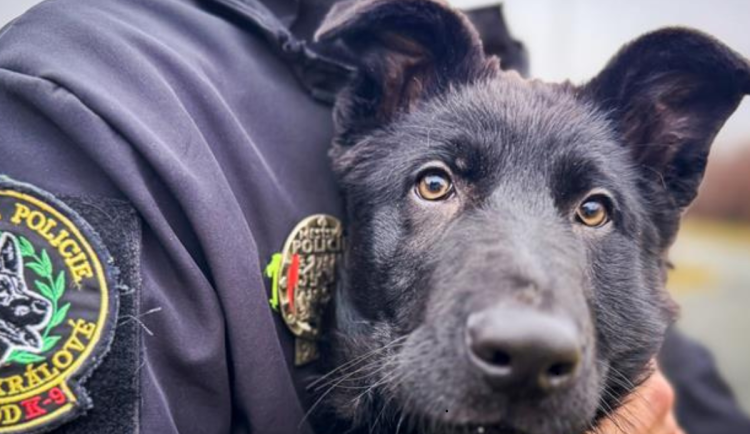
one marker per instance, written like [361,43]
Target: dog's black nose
[521,350]
[39,306]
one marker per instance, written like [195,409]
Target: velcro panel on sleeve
[114,387]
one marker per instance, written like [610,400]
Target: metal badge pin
[303,278]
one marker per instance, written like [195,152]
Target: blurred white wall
[10,9]
[573,39]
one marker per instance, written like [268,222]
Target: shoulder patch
[58,308]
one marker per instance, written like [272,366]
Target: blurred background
[573,39]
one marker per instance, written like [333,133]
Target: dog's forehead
[507,123]
[497,132]
[520,115]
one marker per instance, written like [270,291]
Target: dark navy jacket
[206,117]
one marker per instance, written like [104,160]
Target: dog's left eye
[594,211]
[434,185]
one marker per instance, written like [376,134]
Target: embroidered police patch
[58,307]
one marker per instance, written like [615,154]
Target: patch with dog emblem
[57,308]
[303,276]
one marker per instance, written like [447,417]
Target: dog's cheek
[366,353]
[629,312]
[436,380]
[407,240]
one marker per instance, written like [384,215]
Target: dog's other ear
[669,92]
[9,255]
[404,51]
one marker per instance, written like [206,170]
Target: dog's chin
[447,393]
[485,415]
[480,413]
[497,427]
[477,428]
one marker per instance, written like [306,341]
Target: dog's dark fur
[22,312]
[522,156]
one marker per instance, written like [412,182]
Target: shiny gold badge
[303,278]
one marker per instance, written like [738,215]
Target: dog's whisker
[334,386]
[634,393]
[347,376]
[377,384]
[358,359]
[400,422]
[622,376]
[351,376]
[377,418]
[593,429]
[315,405]
[620,380]
[623,415]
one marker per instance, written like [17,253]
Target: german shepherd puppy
[22,312]
[507,238]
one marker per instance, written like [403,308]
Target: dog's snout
[31,310]
[39,306]
[521,350]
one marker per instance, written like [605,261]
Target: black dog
[22,312]
[508,238]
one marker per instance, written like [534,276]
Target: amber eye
[593,211]
[434,185]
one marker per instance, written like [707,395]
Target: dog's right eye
[434,185]
[594,211]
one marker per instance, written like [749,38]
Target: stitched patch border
[58,308]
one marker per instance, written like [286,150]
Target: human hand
[648,410]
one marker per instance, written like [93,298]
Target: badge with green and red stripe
[303,276]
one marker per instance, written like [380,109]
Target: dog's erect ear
[10,257]
[405,51]
[669,92]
